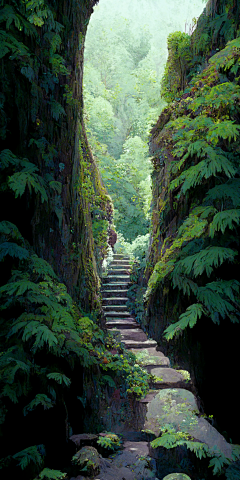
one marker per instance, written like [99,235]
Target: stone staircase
[170,389]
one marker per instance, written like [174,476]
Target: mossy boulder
[177,476]
[87,460]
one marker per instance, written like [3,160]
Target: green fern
[57,109]
[29,455]
[204,261]
[40,399]
[49,474]
[13,250]
[10,230]
[218,463]
[229,190]
[187,319]
[41,267]
[59,378]
[223,220]
[20,180]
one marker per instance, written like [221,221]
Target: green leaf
[29,455]
[49,474]
[204,261]
[14,250]
[109,380]
[223,220]
[59,378]
[187,319]
[218,463]
[20,180]
[40,399]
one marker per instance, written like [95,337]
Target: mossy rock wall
[199,349]
[43,122]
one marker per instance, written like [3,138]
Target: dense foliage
[203,133]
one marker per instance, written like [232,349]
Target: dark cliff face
[42,122]
[195,194]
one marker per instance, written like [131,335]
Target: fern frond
[40,399]
[109,380]
[20,180]
[185,284]
[49,474]
[10,392]
[42,267]
[57,110]
[230,190]
[19,288]
[223,220]
[188,318]
[59,378]
[13,250]
[214,296]
[204,261]
[218,463]
[201,450]
[204,169]
[10,230]
[29,455]
[225,129]
[57,186]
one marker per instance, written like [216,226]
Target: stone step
[132,344]
[150,357]
[170,378]
[120,315]
[122,324]
[117,279]
[115,308]
[117,300]
[118,293]
[120,265]
[137,335]
[118,271]
[120,256]
[114,285]
[120,262]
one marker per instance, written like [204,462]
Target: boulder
[83,439]
[178,409]
[87,460]
[177,476]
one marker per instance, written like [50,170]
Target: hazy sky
[162,16]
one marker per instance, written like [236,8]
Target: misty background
[124,60]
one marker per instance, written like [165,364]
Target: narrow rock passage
[170,400]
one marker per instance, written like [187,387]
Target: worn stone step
[120,262]
[114,300]
[120,256]
[115,293]
[170,378]
[114,286]
[120,315]
[117,279]
[150,357]
[137,335]
[132,344]
[122,324]
[115,308]
[119,271]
